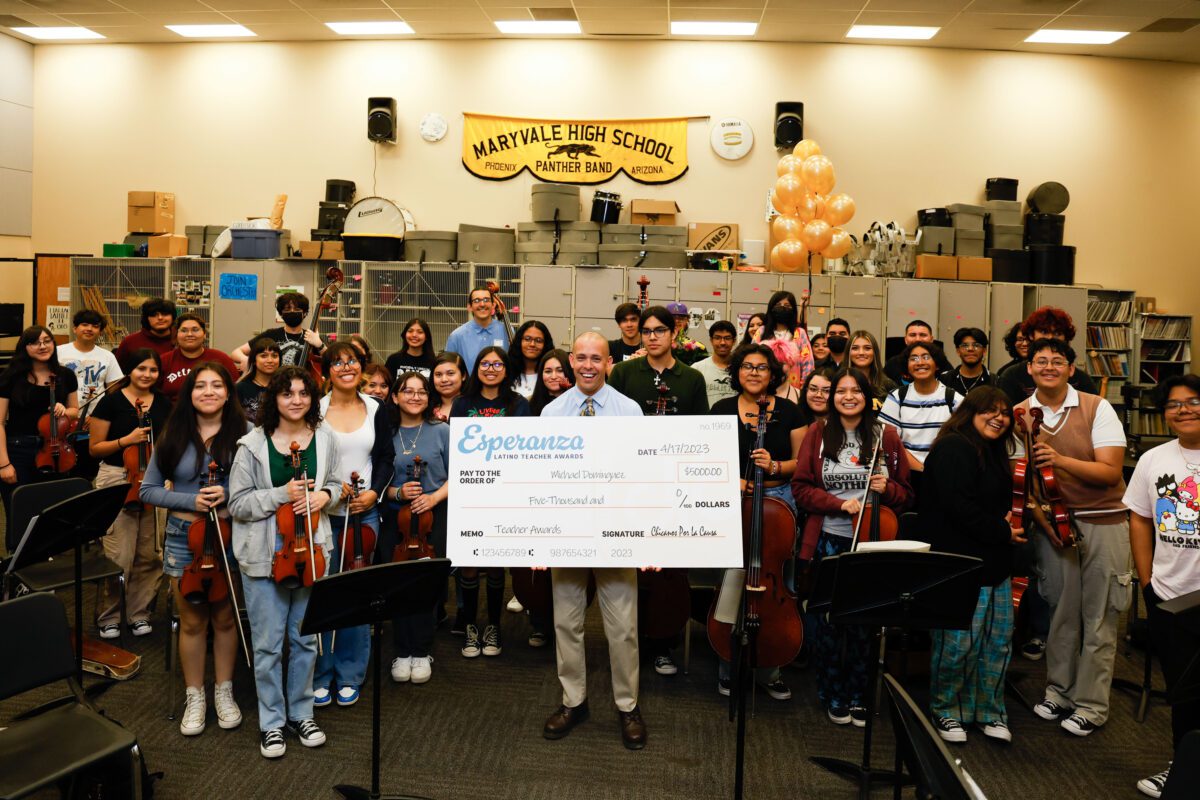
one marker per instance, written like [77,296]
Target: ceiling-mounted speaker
[789,124]
[381,119]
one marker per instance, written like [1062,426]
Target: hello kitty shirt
[1165,488]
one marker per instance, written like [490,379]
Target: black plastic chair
[62,741]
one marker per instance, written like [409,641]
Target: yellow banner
[574,151]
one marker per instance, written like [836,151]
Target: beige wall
[227,126]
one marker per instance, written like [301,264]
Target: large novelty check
[594,492]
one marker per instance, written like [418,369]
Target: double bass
[358,539]
[137,457]
[1037,502]
[298,561]
[335,278]
[500,309]
[56,455]
[413,530]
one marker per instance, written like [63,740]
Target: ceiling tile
[820,5]
[525,3]
[508,13]
[401,5]
[715,14]
[187,18]
[292,31]
[1072,22]
[619,13]
[980,38]
[454,29]
[1126,8]
[138,33]
[264,5]
[162,6]
[352,15]
[788,32]
[1016,21]
[74,6]
[472,15]
[925,6]
[756,5]
[601,3]
[1021,6]
[279,15]
[797,16]
[110,20]
[934,19]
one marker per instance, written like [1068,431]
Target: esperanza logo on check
[473,441]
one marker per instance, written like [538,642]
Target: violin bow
[312,543]
[237,614]
[866,489]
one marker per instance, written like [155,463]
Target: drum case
[551,201]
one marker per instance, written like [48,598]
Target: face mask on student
[292,319]
[836,343]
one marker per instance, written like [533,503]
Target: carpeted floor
[475,731]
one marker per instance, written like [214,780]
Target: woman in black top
[530,342]
[417,353]
[264,362]
[489,392]
[754,372]
[555,376]
[132,541]
[965,507]
[24,398]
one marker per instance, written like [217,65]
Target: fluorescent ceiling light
[1051,36]
[72,32]
[555,26]
[696,28]
[211,31]
[367,28]
[891,32]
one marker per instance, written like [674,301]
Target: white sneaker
[997,730]
[422,669]
[515,606]
[229,716]
[401,669]
[194,712]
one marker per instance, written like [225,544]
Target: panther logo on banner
[571,151]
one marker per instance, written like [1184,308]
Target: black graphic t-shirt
[482,407]
[290,345]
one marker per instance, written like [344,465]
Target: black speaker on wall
[789,124]
[381,119]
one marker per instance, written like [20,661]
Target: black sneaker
[308,732]
[723,686]
[272,745]
[777,690]
[858,715]
[1077,725]
[1050,710]
[950,729]
[1034,649]
[491,641]
[1154,785]
[838,715]
[664,665]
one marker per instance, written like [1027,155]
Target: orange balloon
[785,227]
[790,190]
[811,207]
[818,174]
[780,206]
[839,209]
[789,163]
[788,256]
[805,148]
[839,244]
[816,235]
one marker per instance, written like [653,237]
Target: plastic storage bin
[254,243]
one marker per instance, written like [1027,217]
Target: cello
[298,561]
[414,530]
[335,278]
[1037,502]
[770,616]
[56,455]
[358,540]
[136,458]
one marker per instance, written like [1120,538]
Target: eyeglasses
[755,367]
[655,332]
[531,340]
[820,391]
[414,393]
[1056,363]
[480,301]
[1192,404]
[352,362]
[491,366]
[720,338]
[970,346]
[919,359]
[42,343]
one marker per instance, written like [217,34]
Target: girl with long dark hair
[555,376]
[449,379]
[265,358]
[261,482]
[203,428]
[416,355]
[965,505]
[489,391]
[132,541]
[530,342]
[865,356]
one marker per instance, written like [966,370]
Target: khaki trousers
[616,590]
[1083,633]
[133,544]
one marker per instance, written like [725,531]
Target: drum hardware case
[568,253]
[567,232]
[426,246]
[486,245]
[664,235]
[967,217]
[555,201]
[643,255]
[968,243]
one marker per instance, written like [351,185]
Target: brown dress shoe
[633,729]
[564,719]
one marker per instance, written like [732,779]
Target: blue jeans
[783,493]
[271,608]
[344,662]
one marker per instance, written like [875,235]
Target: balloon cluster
[809,216]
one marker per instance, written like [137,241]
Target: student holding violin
[965,506]
[1088,585]
[281,537]
[363,435]
[123,429]
[202,432]
[26,397]
[832,477]
[754,371]
[417,493]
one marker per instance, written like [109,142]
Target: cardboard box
[941,267]
[974,269]
[151,212]
[652,212]
[168,245]
[323,251]
[712,236]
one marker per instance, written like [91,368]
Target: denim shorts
[176,555]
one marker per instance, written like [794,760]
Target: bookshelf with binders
[1110,314]
[1163,346]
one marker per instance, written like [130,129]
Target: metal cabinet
[1073,300]
[1007,309]
[560,329]
[235,321]
[605,326]
[960,305]
[598,291]
[661,291]
[546,292]
[859,301]
[706,294]
[753,288]
[909,300]
[820,297]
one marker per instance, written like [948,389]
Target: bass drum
[378,216]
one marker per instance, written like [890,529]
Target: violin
[298,561]
[335,278]
[876,522]
[358,540]
[204,581]
[1037,502]
[414,529]
[771,615]
[56,456]
[137,457]
[643,300]
[501,310]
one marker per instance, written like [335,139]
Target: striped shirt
[919,417]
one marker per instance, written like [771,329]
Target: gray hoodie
[253,501]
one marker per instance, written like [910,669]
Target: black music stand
[68,526]
[372,596]
[923,591]
[1183,659]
